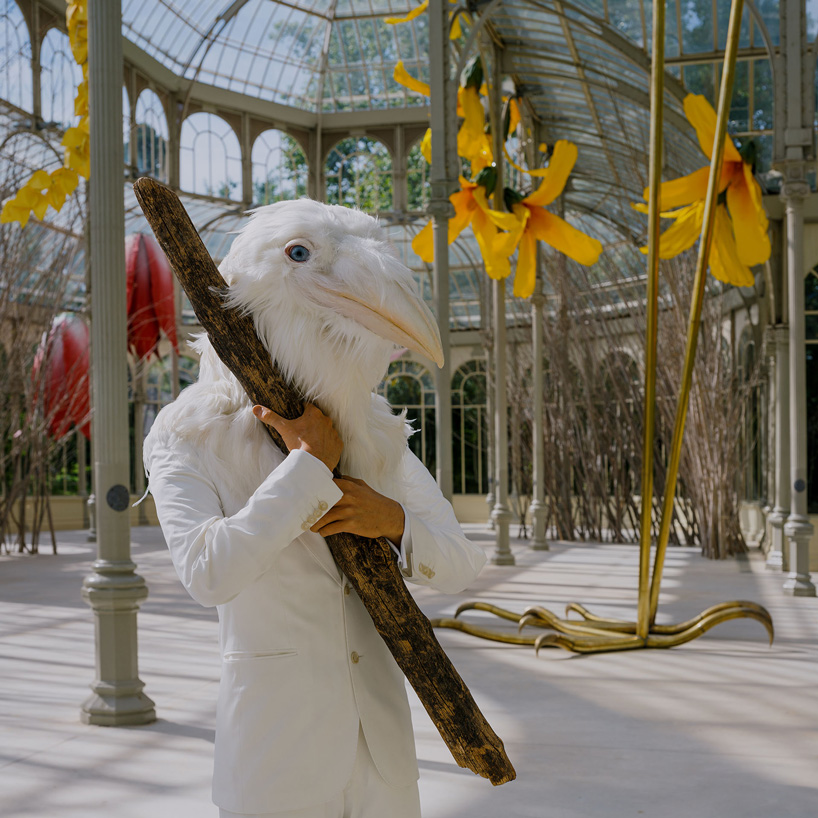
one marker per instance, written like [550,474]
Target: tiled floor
[723,727]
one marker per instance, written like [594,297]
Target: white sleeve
[216,557]
[434,549]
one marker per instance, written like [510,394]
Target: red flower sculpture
[61,371]
[150,296]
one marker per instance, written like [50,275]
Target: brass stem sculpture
[367,564]
[594,634]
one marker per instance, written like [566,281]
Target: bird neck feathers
[220,419]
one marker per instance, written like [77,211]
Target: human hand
[312,432]
[363,511]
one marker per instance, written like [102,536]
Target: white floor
[723,727]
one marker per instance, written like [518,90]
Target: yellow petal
[749,220]
[505,221]
[702,117]
[681,191]
[423,244]
[56,198]
[393,21]
[555,175]
[496,264]
[526,273]
[513,115]
[464,209]
[12,212]
[40,206]
[64,179]
[725,263]
[682,235]
[561,236]
[404,78]
[507,242]
[426,146]
[456,32]
[74,138]
[472,142]
[40,180]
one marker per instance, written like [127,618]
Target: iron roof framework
[319,69]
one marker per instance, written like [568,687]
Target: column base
[775,561]
[118,709]
[775,556]
[799,585]
[501,517]
[798,531]
[538,541]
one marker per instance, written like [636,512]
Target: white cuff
[404,553]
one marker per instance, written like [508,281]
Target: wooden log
[367,564]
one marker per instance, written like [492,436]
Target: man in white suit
[312,719]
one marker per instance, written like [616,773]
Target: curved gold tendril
[488,608]
[482,633]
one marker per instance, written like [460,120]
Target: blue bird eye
[297,252]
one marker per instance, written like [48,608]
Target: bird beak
[401,317]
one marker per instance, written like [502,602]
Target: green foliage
[358,173]
[417,169]
[286,181]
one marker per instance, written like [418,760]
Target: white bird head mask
[330,301]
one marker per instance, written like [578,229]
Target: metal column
[781,509]
[114,590]
[440,208]
[798,528]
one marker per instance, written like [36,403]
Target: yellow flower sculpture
[535,223]
[44,189]
[454,33]
[740,238]
[471,208]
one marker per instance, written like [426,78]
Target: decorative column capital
[439,206]
[794,185]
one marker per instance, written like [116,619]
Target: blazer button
[305,526]
[322,505]
[355,657]
[347,590]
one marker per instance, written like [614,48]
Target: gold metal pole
[657,104]
[710,204]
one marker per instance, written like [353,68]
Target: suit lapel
[317,547]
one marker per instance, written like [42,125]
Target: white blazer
[302,663]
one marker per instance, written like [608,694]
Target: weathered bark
[367,564]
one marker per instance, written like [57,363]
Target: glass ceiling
[581,65]
[328,55]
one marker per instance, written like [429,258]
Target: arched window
[469,432]
[811,322]
[279,168]
[59,78]
[210,157]
[150,130]
[408,385]
[15,57]
[358,174]
[417,179]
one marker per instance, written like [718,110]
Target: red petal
[76,342]
[143,328]
[162,290]
[132,243]
[56,407]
